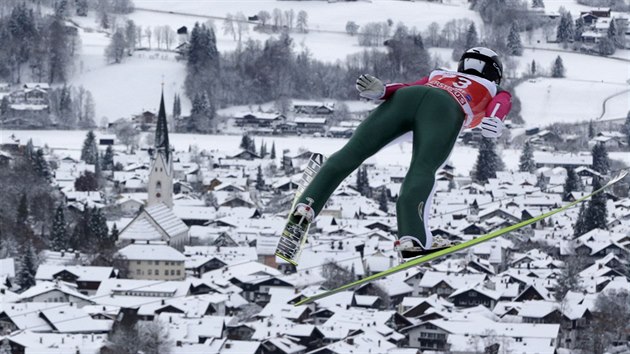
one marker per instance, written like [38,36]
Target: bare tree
[169,36]
[154,338]
[289,18]
[336,275]
[127,133]
[228,26]
[242,27]
[147,33]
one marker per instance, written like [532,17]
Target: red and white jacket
[477,96]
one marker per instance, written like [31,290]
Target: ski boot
[295,232]
[410,247]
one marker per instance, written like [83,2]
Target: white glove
[370,87]
[491,127]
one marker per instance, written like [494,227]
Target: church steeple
[161,131]
[160,186]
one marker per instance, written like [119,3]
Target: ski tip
[621,175]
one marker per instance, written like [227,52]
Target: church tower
[161,176]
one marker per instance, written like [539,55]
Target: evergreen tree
[580,26]
[573,183]
[246,142]
[601,163]
[591,130]
[113,236]
[41,165]
[611,33]
[252,145]
[86,182]
[260,181]
[27,267]
[472,39]
[565,31]
[29,150]
[382,200]
[514,44]
[5,106]
[203,62]
[541,182]
[201,114]
[626,129]
[558,68]
[58,234]
[488,162]
[273,145]
[526,162]
[177,108]
[89,152]
[363,182]
[538,4]
[98,229]
[107,163]
[596,213]
[533,68]
[263,149]
[579,227]
[22,210]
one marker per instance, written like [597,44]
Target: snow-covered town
[197,270]
[151,154]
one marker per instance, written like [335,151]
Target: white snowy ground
[68,143]
[129,88]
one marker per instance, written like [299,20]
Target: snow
[547,100]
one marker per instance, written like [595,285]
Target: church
[156,221]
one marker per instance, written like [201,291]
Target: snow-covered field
[68,143]
[126,89]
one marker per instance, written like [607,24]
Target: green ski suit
[435,119]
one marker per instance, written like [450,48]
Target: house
[87,279]
[145,121]
[474,296]
[256,120]
[306,125]
[153,262]
[313,109]
[32,342]
[55,291]
[459,335]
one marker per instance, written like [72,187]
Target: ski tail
[464,245]
[294,236]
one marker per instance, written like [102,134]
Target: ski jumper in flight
[435,108]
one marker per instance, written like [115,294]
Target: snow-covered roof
[44,287]
[151,252]
[70,319]
[140,229]
[166,219]
[83,273]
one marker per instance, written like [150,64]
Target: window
[518,339]
[179,272]
[150,272]
[138,262]
[157,262]
[172,271]
[158,186]
[138,272]
[157,272]
[472,294]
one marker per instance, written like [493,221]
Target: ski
[464,245]
[294,234]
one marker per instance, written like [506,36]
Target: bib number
[462,82]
